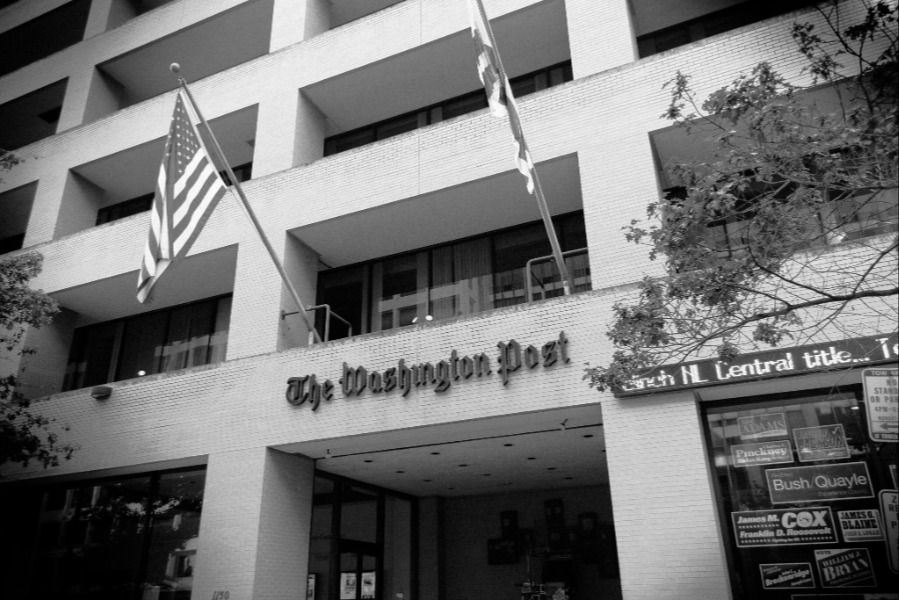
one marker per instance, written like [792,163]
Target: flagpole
[235,184]
[567,285]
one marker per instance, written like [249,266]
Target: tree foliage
[24,434]
[788,231]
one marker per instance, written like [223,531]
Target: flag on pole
[187,191]
[496,85]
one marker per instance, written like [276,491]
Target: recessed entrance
[507,509]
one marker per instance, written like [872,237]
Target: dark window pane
[341,289]
[512,251]
[175,534]
[397,126]
[142,344]
[91,356]
[464,105]
[187,343]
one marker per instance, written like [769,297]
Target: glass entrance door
[362,542]
[359,567]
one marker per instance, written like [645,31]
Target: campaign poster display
[787,576]
[821,482]
[824,442]
[860,525]
[845,567]
[758,427]
[800,484]
[889,505]
[762,453]
[784,527]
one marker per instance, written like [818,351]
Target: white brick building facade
[276,78]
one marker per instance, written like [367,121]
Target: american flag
[496,85]
[187,190]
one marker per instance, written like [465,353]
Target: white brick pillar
[600,35]
[674,549]
[255,525]
[295,20]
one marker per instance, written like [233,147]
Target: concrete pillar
[658,549]
[255,527]
[600,35]
[294,21]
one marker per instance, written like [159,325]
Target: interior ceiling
[25,119]
[529,39]
[15,209]
[196,277]
[228,39]
[652,15]
[133,172]
[470,209]
[553,449]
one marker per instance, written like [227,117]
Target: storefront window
[124,539]
[798,485]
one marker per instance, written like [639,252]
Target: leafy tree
[788,232]
[24,434]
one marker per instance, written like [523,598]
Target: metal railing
[581,281]
[328,314]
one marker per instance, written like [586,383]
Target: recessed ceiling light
[435,453]
[508,445]
[368,460]
[589,435]
[550,468]
[463,465]
[532,458]
[400,472]
[427,480]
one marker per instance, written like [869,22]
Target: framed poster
[310,586]
[348,585]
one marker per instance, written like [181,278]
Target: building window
[797,481]
[454,107]
[451,280]
[714,23]
[134,537]
[846,217]
[47,34]
[120,210]
[189,335]
[114,212]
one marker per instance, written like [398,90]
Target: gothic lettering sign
[842,354]
[440,376]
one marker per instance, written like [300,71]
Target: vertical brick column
[46,207]
[616,187]
[255,527]
[296,20]
[255,313]
[600,35]
[669,543]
